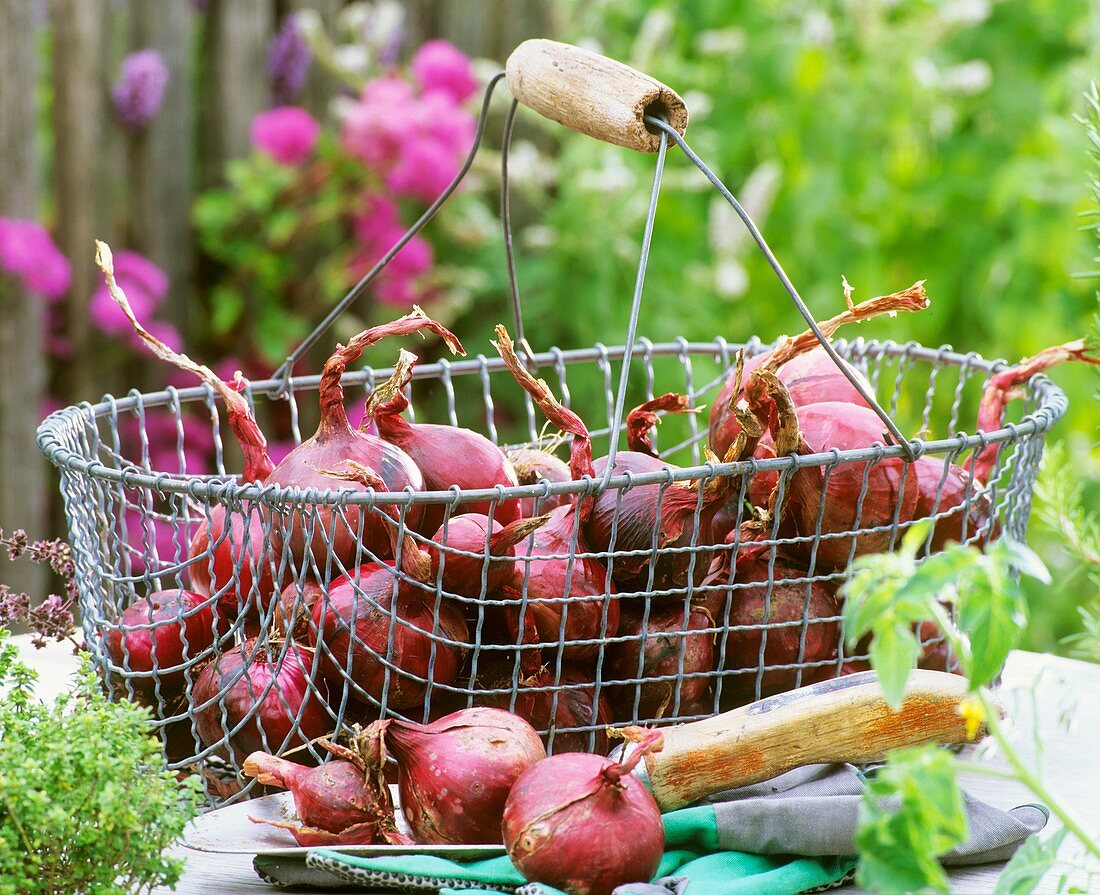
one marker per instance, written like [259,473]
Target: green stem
[1032,781]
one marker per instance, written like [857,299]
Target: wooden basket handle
[592,94]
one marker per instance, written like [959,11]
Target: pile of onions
[260,700]
[567,593]
[455,773]
[446,455]
[583,824]
[160,636]
[385,632]
[344,801]
[809,373]
[231,562]
[665,650]
[645,516]
[335,441]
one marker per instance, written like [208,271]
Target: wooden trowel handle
[846,719]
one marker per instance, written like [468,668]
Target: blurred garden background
[248,160]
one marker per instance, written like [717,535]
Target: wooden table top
[1059,699]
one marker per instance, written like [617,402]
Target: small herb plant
[913,810]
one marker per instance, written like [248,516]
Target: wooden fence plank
[163,171]
[81,36]
[321,85]
[23,488]
[235,87]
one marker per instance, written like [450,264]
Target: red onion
[268,695]
[168,631]
[341,802]
[1002,387]
[455,773]
[950,497]
[570,597]
[334,442]
[641,420]
[446,455]
[807,371]
[469,532]
[785,609]
[236,563]
[935,653]
[290,614]
[387,643]
[564,709]
[583,824]
[533,465]
[669,648]
[661,515]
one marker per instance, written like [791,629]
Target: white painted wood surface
[1053,713]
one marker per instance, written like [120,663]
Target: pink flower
[425,169]
[139,90]
[377,126]
[29,253]
[439,66]
[288,134]
[377,230]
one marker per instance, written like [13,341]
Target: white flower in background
[726,234]
[613,176]
[351,60]
[653,37]
[818,29]
[926,72]
[699,104]
[969,78]
[965,12]
[722,42]
[529,167]
[539,236]
[590,44]
[731,280]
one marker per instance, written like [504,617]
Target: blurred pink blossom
[377,126]
[425,169]
[139,90]
[145,286]
[377,229]
[439,66]
[28,252]
[287,134]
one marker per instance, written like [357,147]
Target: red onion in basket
[446,455]
[583,824]
[784,609]
[267,692]
[336,441]
[468,532]
[675,643]
[166,630]
[812,379]
[386,643]
[289,615]
[562,703]
[569,596]
[231,563]
[455,773]
[533,465]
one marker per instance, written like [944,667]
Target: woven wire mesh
[765,620]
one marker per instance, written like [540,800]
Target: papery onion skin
[271,694]
[532,466]
[184,626]
[948,491]
[583,824]
[455,774]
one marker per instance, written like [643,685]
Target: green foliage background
[901,141]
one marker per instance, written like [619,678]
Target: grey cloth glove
[814,810]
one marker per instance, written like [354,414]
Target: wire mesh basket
[281,669]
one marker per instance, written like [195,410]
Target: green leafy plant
[86,805]
[913,810]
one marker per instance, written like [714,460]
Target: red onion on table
[158,636]
[649,515]
[387,643]
[267,692]
[455,773]
[814,378]
[583,824]
[446,455]
[671,644]
[336,441]
[569,596]
[341,802]
[235,562]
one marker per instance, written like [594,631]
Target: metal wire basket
[131,526]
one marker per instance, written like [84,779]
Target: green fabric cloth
[691,842]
